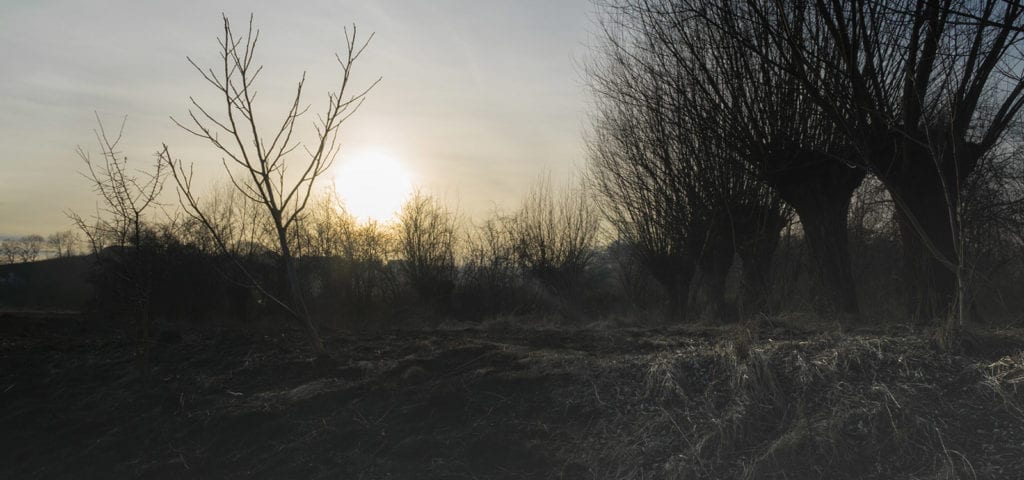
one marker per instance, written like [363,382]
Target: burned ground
[508,402]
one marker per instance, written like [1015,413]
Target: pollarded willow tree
[276,171]
[671,185]
[742,97]
[638,184]
[928,89]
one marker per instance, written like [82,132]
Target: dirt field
[505,402]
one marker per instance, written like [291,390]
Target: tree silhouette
[255,163]
[670,181]
[117,232]
[426,238]
[63,243]
[923,90]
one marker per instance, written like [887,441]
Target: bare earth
[507,402]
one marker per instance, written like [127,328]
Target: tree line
[744,158]
[29,248]
[714,117]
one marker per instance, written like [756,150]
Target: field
[509,400]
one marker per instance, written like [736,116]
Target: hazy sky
[477,98]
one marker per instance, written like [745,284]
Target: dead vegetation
[509,402]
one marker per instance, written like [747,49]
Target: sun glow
[372,185]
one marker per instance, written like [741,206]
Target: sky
[477,99]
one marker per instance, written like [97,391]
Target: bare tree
[116,232]
[489,269]
[23,249]
[348,264]
[327,230]
[29,247]
[672,185]
[257,164]
[923,89]
[427,235]
[368,251]
[238,221]
[489,247]
[126,195]
[764,120]
[63,243]
[554,235]
[9,250]
[639,177]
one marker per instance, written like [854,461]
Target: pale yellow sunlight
[372,184]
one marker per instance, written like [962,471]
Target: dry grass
[825,406]
[762,401]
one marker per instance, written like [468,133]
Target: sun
[372,185]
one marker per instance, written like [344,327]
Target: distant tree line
[29,248]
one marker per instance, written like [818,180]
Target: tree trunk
[679,295]
[298,305]
[756,281]
[715,260]
[758,231]
[927,192]
[820,194]
[922,214]
[674,275]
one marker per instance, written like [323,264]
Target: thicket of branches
[427,263]
[511,263]
[671,183]
[806,99]
[744,158]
